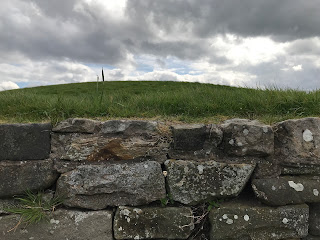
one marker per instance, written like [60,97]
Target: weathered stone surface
[314,221]
[24,141]
[243,220]
[98,186]
[266,167]
[287,190]
[310,237]
[9,203]
[129,127]
[195,141]
[192,182]
[63,224]
[299,169]
[153,223]
[77,125]
[297,141]
[117,140]
[243,137]
[17,177]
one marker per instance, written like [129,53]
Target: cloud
[238,43]
[8,86]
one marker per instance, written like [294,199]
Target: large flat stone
[63,224]
[17,177]
[117,140]
[99,186]
[297,141]
[242,137]
[242,220]
[314,221]
[287,190]
[153,223]
[192,182]
[24,141]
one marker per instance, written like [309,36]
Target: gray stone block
[99,186]
[17,177]
[242,137]
[24,141]
[62,225]
[248,220]
[192,182]
[287,190]
[296,142]
[153,223]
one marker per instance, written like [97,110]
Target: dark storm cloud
[61,31]
[282,20]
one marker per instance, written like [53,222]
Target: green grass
[173,101]
[34,207]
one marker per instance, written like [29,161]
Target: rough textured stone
[117,140]
[310,237]
[8,204]
[77,125]
[192,182]
[287,190]
[243,220]
[24,141]
[153,223]
[314,221]
[297,141]
[243,137]
[299,169]
[192,141]
[98,186]
[63,224]
[17,177]
[129,127]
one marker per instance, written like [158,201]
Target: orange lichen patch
[113,150]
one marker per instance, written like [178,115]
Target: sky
[247,43]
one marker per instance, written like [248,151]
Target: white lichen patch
[296,186]
[165,173]
[125,212]
[229,221]
[120,228]
[273,188]
[285,220]
[145,165]
[307,135]
[137,210]
[315,192]
[231,142]
[53,221]
[246,217]
[200,168]
[265,129]
[240,144]
[224,216]
[245,132]
[235,217]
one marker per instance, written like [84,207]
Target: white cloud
[8,86]
[297,68]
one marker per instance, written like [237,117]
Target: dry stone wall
[128,179]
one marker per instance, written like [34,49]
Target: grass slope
[188,102]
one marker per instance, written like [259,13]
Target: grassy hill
[173,101]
